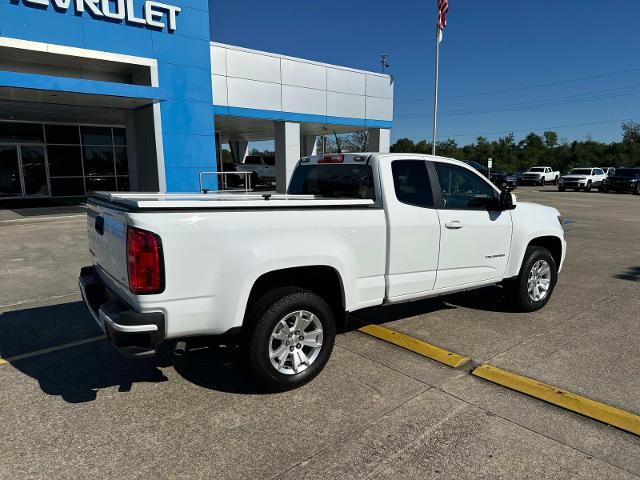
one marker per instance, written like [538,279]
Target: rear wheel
[292,336]
[535,282]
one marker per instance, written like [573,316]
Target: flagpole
[435,83]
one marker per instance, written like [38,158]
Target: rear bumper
[134,334]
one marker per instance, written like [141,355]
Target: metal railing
[223,183]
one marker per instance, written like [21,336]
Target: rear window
[253,160]
[333,180]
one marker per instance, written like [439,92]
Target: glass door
[34,171]
[10,182]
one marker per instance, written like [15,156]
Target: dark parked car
[624,180]
[499,178]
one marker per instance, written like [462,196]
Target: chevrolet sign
[155,14]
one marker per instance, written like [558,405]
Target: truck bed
[223,200]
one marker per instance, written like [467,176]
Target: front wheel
[636,190]
[535,282]
[542,182]
[560,188]
[587,187]
[293,332]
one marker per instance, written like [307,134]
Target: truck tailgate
[107,232]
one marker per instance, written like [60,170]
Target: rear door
[414,229]
[474,241]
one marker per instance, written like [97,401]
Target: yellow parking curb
[561,398]
[418,346]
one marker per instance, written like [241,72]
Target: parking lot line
[561,398]
[36,353]
[418,346]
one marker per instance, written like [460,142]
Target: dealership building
[133,95]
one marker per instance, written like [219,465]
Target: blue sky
[585,48]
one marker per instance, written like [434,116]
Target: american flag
[443,8]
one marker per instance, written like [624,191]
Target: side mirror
[507,201]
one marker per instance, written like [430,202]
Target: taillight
[332,159]
[144,262]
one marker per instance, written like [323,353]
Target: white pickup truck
[540,176]
[278,272]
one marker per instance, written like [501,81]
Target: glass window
[64,160]
[9,172]
[98,161]
[122,162]
[597,171]
[411,182]
[123,184]
[62,134]
[95,184]
[96,136]
[333,180]
[66,187]
[119,136]
[463,189]
[15,132]
[253,160]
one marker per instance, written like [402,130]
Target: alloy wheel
[539,280]
[295,342]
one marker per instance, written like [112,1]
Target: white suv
[582,179]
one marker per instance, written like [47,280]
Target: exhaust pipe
[180,348]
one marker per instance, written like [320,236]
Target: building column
[239,150]
[308,144]
[287,140]
[379,140]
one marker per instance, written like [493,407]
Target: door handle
[454,225]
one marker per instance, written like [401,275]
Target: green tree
[631,132]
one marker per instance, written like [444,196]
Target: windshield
[627,172]
[536,169]
[333,180]
[580,171]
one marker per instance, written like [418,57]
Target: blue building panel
[118,38]
[187,150]
[25,23]
[186,83]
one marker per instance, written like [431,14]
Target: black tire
[560,188]
[587,187]
[636,191]
[262,319]
[555,181]
[518,287]
[542,182]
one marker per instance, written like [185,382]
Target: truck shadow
[81,363]
[77,371]
[632,274]
[488,299]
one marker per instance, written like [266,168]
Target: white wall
[266,81]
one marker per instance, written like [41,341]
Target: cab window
[463,189]
[411,182]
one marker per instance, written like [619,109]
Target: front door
[10,181]
[474,240]
[34,171]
